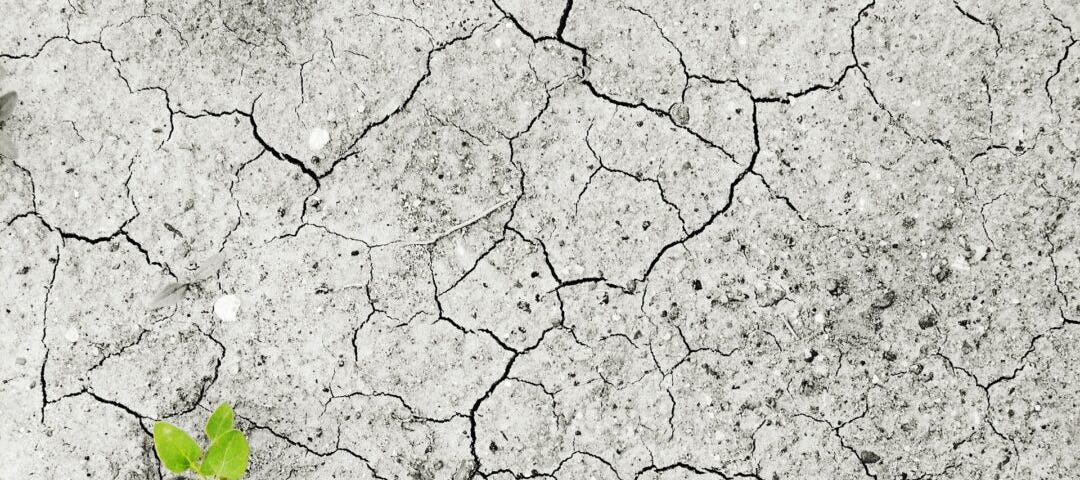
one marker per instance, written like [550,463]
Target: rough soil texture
[504,239]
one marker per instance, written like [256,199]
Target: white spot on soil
[226,307]
[318,139]
[72,334]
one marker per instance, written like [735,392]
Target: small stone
[680,113]
[869,457]
[959,265]
[945,223]
[72,334]
[978,252]
[770,295]
[318,139]
[927,321]
[834,287]
[940,271]
[884,300]
[226,307]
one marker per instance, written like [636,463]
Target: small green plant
[225,459]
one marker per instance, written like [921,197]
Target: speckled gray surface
[656,240]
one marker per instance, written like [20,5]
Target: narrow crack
[351,150]
[843,442]
[44,335]
[277,154]
[563,18]
[119,351]
[208,382]
[682,60]
[337,448]
[416,417]
[986,23]
[33,187]
[635,177]
[477,468]
[1057,71]
[695,469]
[727,205]
[120,234]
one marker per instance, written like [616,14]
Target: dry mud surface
[476,239]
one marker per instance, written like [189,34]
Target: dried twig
[460,225]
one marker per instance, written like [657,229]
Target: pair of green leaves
[226,458]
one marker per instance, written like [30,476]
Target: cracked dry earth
[513,239]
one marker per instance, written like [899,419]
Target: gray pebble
[680,113]
[884,300]
[869,457]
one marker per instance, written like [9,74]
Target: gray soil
[611,240]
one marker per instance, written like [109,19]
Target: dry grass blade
[209,268]
[461,225]
[169,295]
[7,148]
[7,104]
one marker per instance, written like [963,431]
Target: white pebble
[72,334]
[979,252]
[226,307]
[318,139]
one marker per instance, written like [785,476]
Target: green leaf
[177,451]
[227,457]
[220,422]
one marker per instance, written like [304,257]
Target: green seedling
[226,458]
[7,105]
